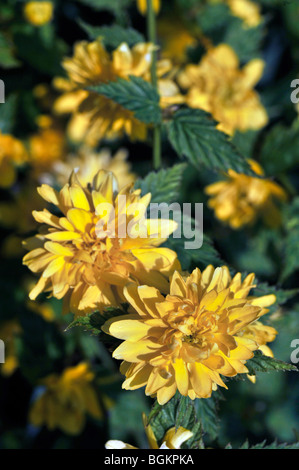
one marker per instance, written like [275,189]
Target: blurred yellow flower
[101,242]
[12,154]
[38,13]
[218,85]
[66,401]
[246,10]
[142,6]
[95,117]
[175,39]
[47,145]
[240,199]
[8,331]
[186,340]
[173,439]
[87,162]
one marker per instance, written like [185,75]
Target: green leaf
[280,151]
[179,411]
[193,134]
[206,410]
[112,36]
[136,95]
[94,321]
[116,7]
[274,445]
[261,363]
[7,57]
[41,49]
[163,185]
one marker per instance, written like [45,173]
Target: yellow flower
[247,10]
[217,85]
[240,199]
[142,6]
[173,439]
[47,145]
[188,339]
[94,116]
[175,39]
[38,13]
[101,242]
[66,401]
[12,154]
[8,332]
[86,162]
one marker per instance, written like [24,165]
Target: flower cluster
[66,399]
[91,143]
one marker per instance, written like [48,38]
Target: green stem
[152,36]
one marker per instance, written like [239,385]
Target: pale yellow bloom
[8,331]
[142,6]
[246,10]
[219,86]
[48,145]
[88,254]
[241,199]
[66,401]
[12,154]
[173,439]
[188,339]
[38,13]
[95,117]
[87,162]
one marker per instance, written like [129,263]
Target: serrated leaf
[179,411]
[134,94]
[206,411]
[261,363]
[193,135]
[273,445]
[163,185]
[112,36]
[94,321]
